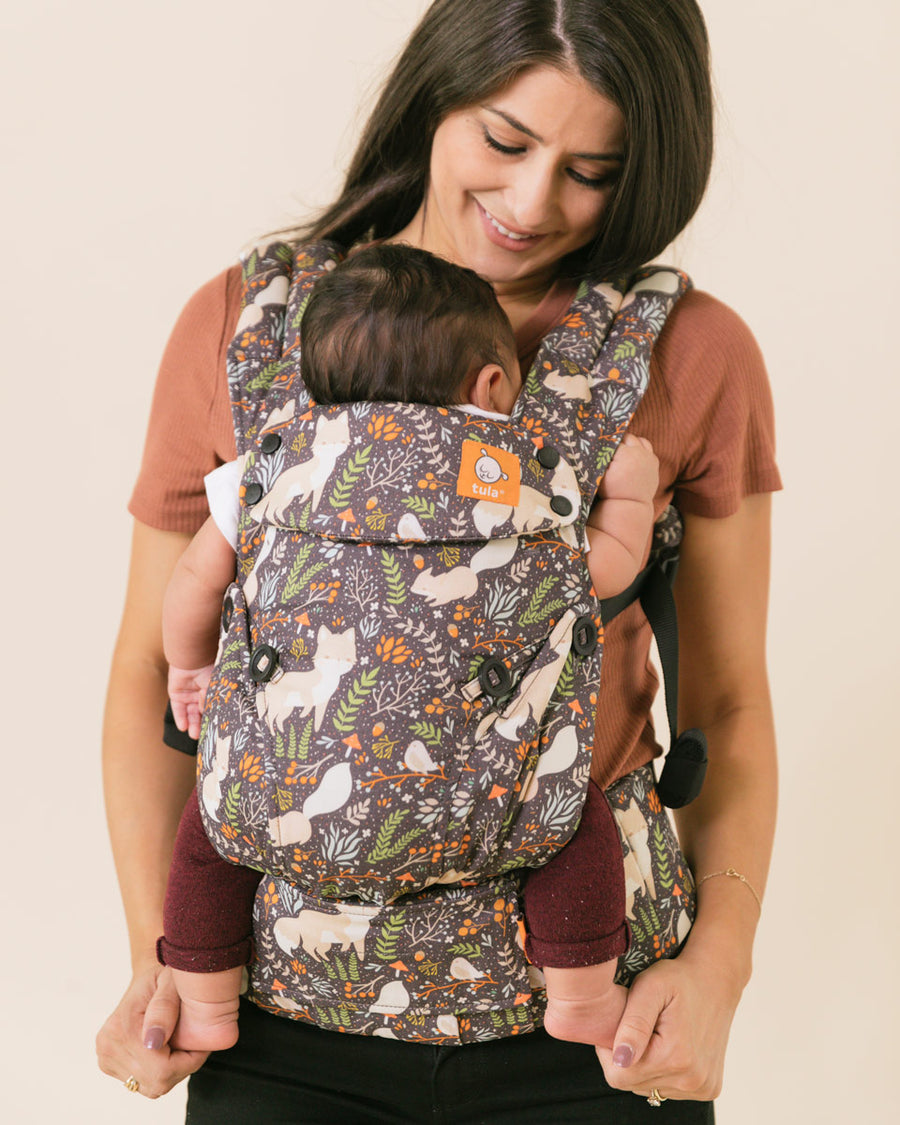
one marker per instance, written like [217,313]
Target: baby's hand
[633,473]
[187,693]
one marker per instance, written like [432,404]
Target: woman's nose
[533,196]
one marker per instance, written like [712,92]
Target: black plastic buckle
[684,770]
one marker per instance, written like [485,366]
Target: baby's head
[396,324]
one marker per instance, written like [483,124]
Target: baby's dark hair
[395,324]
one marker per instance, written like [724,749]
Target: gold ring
[132,1084]
[656,1099]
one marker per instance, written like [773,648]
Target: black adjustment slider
[585,636]
[263,663]
[548,456]
[684,770]
[494,677]
[253,493]
[227,612]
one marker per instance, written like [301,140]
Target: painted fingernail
[623,1055]
[154,1038]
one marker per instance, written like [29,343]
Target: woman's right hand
[134,1041]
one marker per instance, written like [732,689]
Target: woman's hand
[134,1040]
[674,1031]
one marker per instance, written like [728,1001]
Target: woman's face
[521,179]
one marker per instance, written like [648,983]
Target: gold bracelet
[730,871]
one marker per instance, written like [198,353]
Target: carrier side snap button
[548,456]
[253,493]
[271,443]
[494,677]
[562,505]
[227,611]
[584,636]
[263,663]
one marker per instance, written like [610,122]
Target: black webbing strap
[177,739]
[685,765]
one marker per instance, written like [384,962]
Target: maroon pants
[574,905]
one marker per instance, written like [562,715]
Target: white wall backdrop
[127,132]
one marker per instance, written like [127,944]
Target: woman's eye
[595,182]
[509,150]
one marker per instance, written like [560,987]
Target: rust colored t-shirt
[707,412]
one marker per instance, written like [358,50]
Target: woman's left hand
[673,1033]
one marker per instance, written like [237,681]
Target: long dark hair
[649,57]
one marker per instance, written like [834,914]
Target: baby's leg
[208,1020]
[583,1004]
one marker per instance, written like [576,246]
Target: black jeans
[285,1072]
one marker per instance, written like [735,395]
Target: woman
[535,142]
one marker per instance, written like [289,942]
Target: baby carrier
[402,712]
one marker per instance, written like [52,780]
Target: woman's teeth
[508,233]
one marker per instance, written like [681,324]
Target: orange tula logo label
[488,473]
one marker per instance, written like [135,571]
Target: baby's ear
[486,390]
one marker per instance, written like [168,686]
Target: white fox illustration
[309,477]
[317,931]
[461,582]
[335,655]
[212,783]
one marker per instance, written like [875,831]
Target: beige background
[127,184]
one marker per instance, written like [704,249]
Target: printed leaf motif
[345,718]
[391,932]
[428,732]
[566,682]
[538,608]
[264,378]
[293,585]
[449,556]
[468,949]
[383,841]
[397,593]
[419,506]
[343,490]
[231,804]
[301,752]
[298,316]
[664,868]
[625,350]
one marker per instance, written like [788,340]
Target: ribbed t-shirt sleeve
[717,390]
[189,432]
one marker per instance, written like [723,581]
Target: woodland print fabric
[402,713]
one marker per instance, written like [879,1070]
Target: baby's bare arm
[621,522]
[191,609]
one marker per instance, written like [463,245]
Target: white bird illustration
[418,759]
[461,969]
[392,999]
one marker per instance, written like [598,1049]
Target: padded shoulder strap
[592,370]
[263,359]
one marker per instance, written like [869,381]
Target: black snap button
[584,636]
[494,677]
[227,611]
[561,505]
[548,456]
[271,443]
[253,493]
[263,663]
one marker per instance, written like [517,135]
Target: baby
[396,324]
